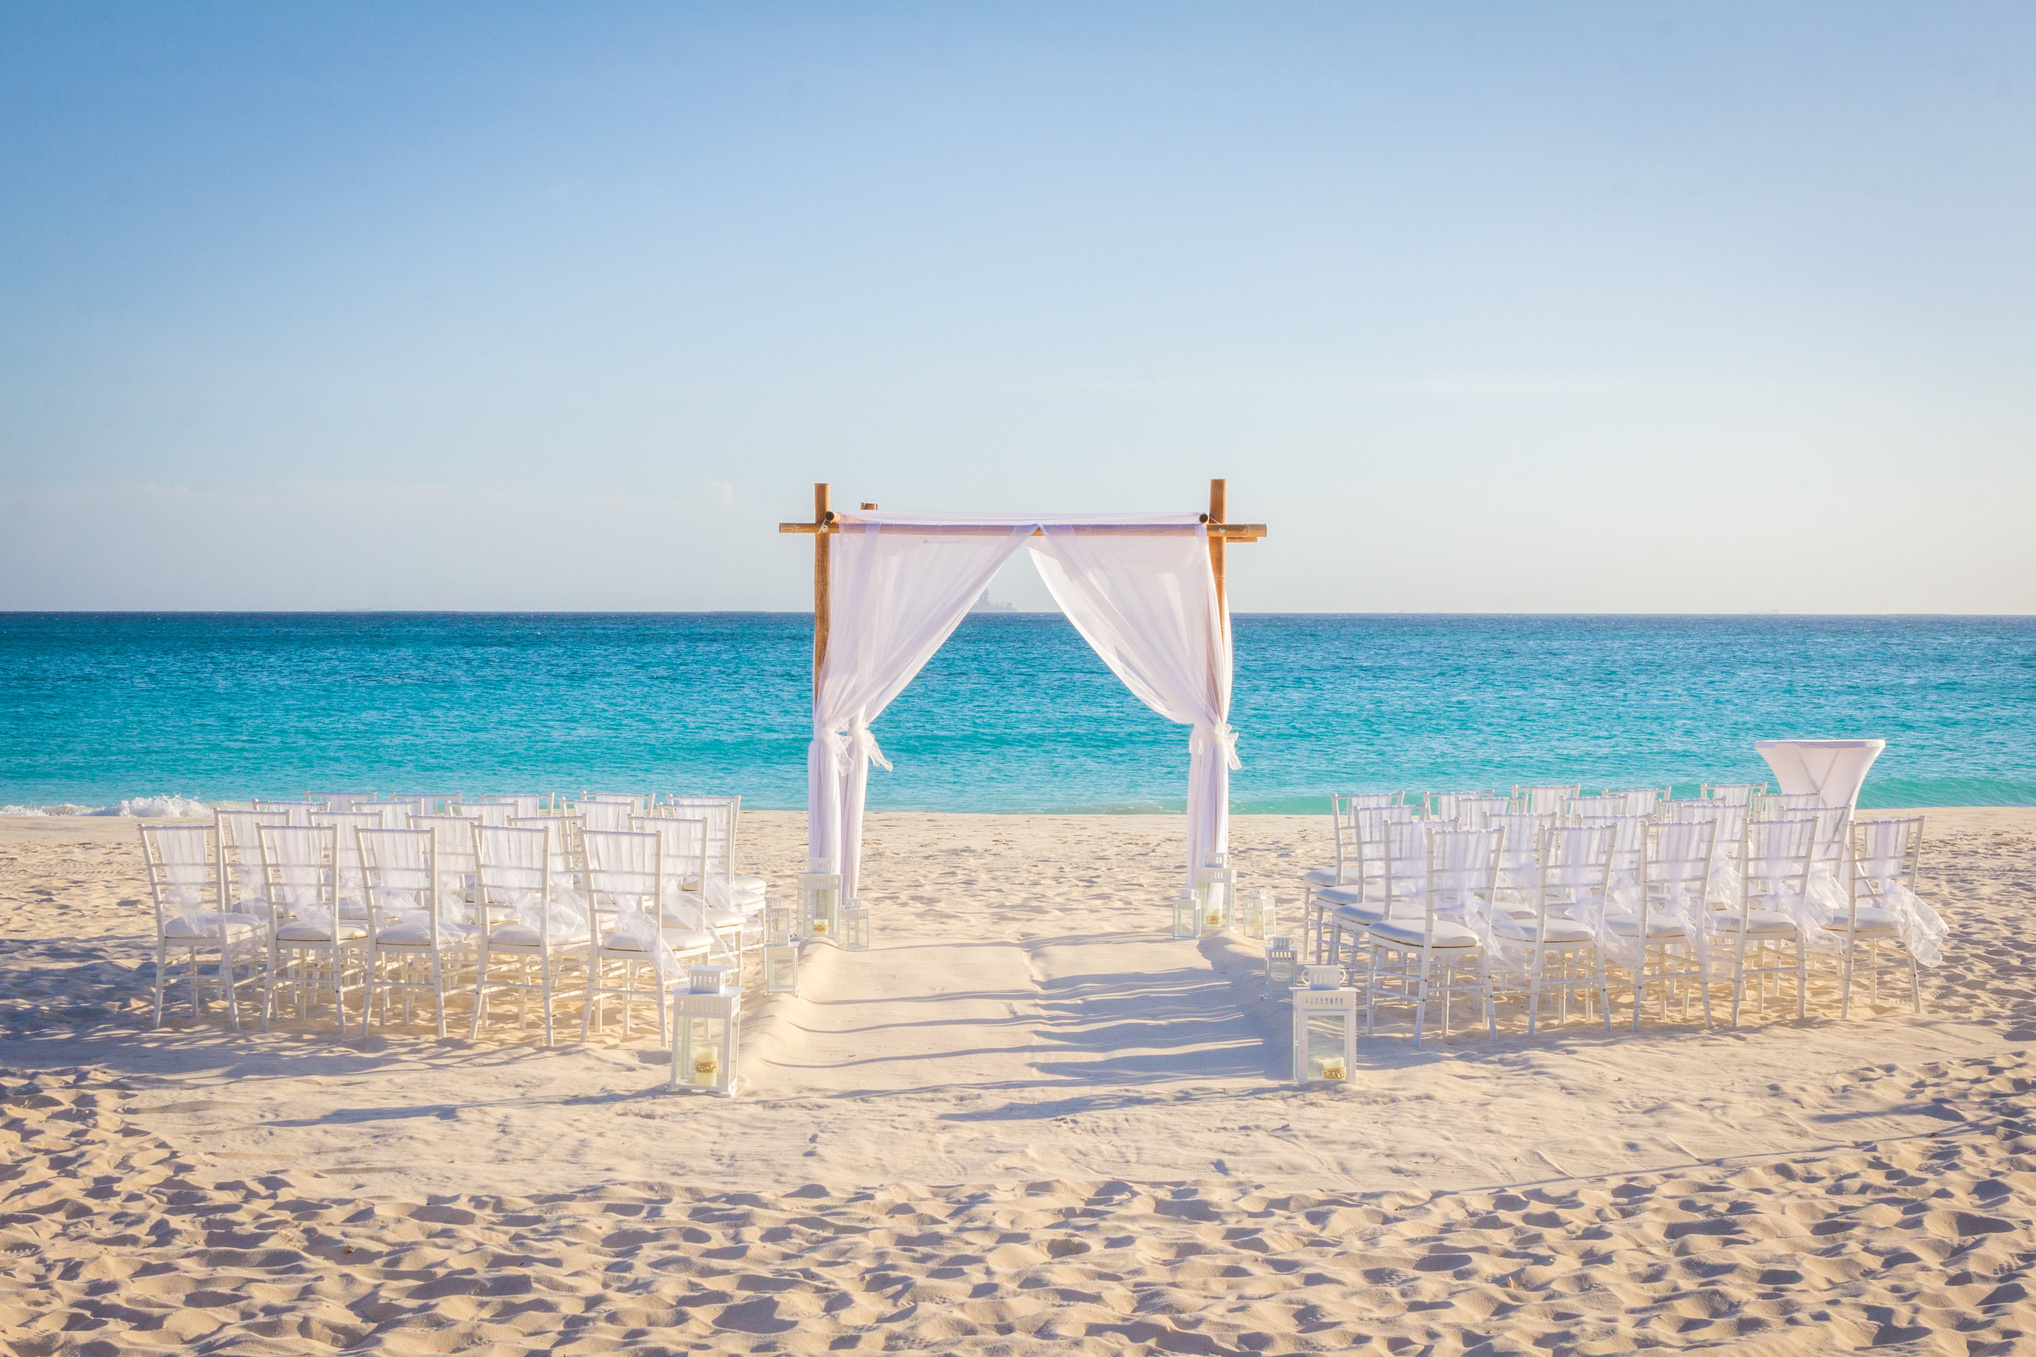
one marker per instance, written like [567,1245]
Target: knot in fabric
[841,740]
[1219,734]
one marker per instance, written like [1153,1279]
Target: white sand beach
[1025,1121]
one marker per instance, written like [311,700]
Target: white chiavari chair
[1348,908]
[183,862]
[241,878]
[1669,926]
[1556,946]
[296,812]
[1732,793]
[421,941]
[1423,956]
[339,800]
[1774,875]
[314,953]
[626,894]
[524,916]
[1883,909]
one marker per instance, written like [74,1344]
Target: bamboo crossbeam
[1229,532]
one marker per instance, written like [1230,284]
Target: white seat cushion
[717,917]
[1866,919]
[688,939]
[1320,876]
[1342,895]
[1626,926]
[417,933]
[1758,922]
[1364,916]
[526,935]
[1408,933]
[748,885]
[1561,932]
[297,930]
[209,926]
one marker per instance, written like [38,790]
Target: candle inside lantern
[706,1063]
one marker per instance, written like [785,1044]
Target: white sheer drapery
[1147,603]
[1139,588]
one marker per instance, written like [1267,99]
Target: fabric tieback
[856,735]
[1219,734]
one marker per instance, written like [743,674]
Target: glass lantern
[1282,964]
[706,1033]
[820,905]
[1325,1033]
[1187,914]
[1216,889]
[855,926]
[781,967]
[1254,917]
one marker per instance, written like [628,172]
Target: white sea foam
[142,807]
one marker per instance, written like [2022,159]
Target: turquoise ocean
[1014,714]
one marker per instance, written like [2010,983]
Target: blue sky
[1506,307]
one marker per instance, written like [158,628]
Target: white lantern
[855,926]
[820,905]
[1325,1027]
[706,1031]
[781,949]
[1187,914]
[1255,918]
[1282,964]
[1216,887]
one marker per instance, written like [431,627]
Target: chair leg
[1802,976]
[1739,973]
[544,964]
[1604,990]
[480,993]
[1915,980]
[161,962]
[1421,1000]
[1534,989]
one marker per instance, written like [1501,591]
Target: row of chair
[1427,907]
[348,905]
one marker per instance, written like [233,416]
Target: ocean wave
[140,807]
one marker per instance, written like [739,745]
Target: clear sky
[1630,307]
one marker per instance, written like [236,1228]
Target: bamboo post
[1219,512]
[821,544]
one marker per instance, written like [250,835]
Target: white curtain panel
[896,594]
[1146,601]
[1137,587]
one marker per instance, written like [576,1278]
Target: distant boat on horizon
[986,604]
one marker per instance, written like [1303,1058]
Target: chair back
[296,812]
[240,856]
[720,813]
[1831,841]
[604,816]
[1678,858]
[1629,841]
[1776,857]
[1575,862]
[1543,800]
[427,803]
[1781,805]
[562,841]
[1639,800]
[1403,857]
[512,866]
[297,861]
[1732,793]
[682,845]
[1886,852]
[1447,807]
[339,800]
[1462,868]
[346,862]
[183,870]
[1346,802]
[398,870]
[1523,834]
[497,813]
[525,805]
[1580,809]
[625,870]
[1476,812]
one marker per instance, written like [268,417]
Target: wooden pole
[1219,512]
[822,542]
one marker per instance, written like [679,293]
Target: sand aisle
[1025,1121]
